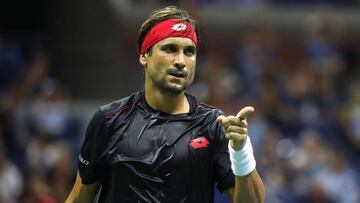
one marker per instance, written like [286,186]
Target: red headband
[166,29]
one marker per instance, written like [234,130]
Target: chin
[174,89]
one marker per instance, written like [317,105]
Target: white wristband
[242,161]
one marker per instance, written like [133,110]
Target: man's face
[171,65]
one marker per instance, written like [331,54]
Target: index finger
[244,112]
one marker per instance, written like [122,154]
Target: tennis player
[161,144]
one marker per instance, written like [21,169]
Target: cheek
[191,64]
[192,74]
[155,67]
[192,69]
[162,64]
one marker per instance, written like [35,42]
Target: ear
[142,59]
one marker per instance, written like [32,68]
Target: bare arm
[248,189]
[82,193]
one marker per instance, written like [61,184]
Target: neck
[165,102]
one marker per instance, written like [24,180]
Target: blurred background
[296,61]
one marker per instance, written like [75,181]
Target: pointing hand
[235,127]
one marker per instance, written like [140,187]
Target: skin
[169,70]
[248,188]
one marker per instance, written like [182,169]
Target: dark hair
[169,12]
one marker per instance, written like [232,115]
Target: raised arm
[248,184]
[81,193]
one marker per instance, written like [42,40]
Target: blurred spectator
[49,111]
[253,56]
[61,174]
[36,189]
[11,63]
[337,180]
[216,82]
[350,116]
[27,89]
[39,131]
[11,182]
[43,153]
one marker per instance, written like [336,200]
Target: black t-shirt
[139,154]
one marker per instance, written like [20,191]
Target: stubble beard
[167,86]
[172,89]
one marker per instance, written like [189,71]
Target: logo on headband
[179,27]
[168,28]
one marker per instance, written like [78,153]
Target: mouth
[178,74]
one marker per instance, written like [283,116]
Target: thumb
[244,112]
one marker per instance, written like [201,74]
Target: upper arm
[89,165]
[81,192]
[92,154]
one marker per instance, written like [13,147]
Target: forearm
[248,185]
[249,189]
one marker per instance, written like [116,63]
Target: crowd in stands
[38,133]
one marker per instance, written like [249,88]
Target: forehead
[179,41]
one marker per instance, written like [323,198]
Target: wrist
[243,160]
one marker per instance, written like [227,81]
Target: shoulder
[106,115]
[208,114]
[203,109]
[207,107]
[111,109]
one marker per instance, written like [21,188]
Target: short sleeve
[224,176]
[89,162]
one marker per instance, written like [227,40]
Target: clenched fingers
[236,129]
[231,121]
[237,137]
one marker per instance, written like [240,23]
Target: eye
[169,49]
[190,51]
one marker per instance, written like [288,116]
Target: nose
[179,61]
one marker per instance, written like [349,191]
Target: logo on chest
[198,143]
